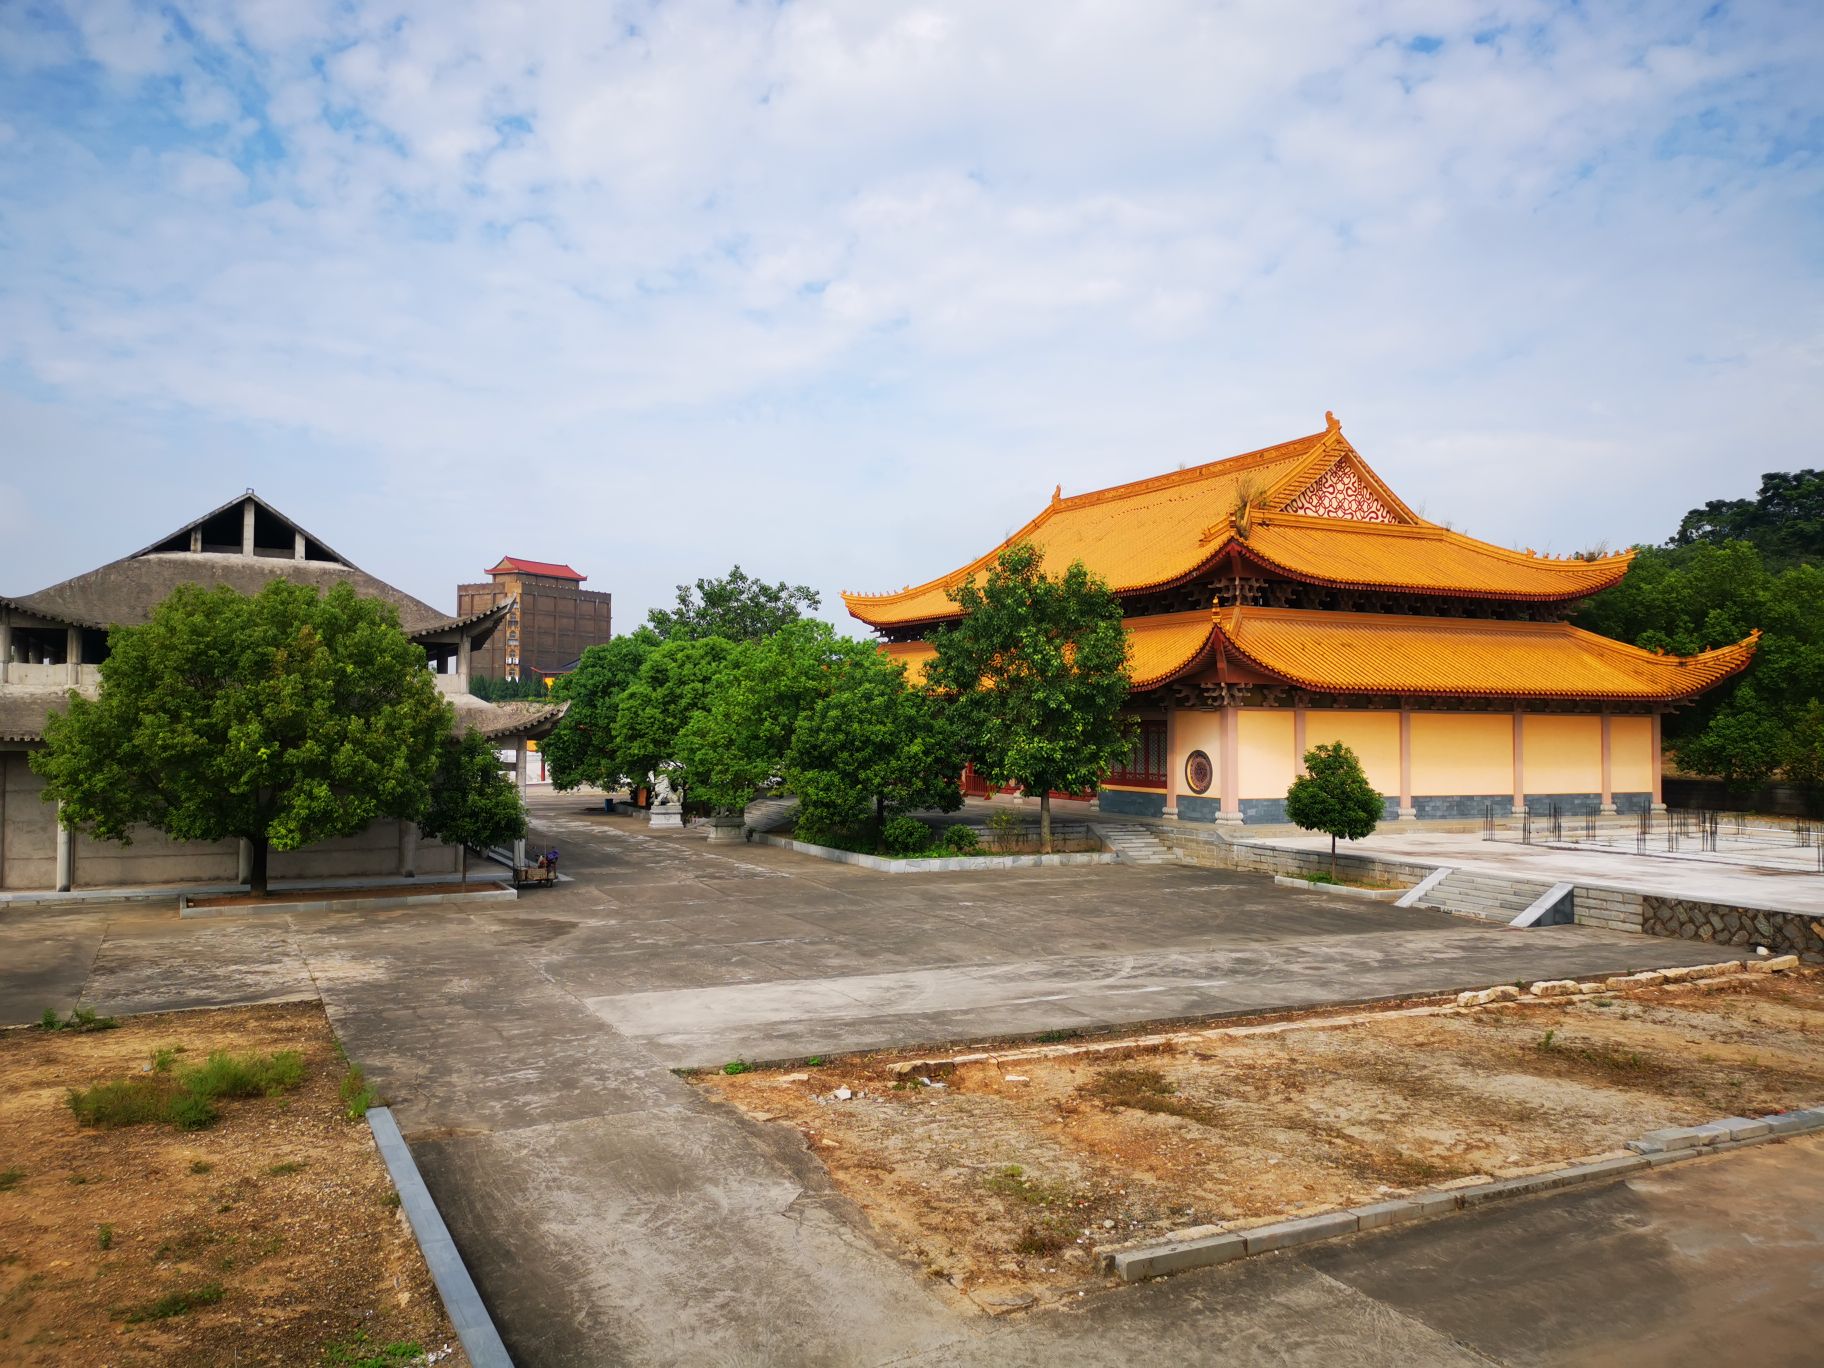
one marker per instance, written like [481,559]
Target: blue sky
[842,292]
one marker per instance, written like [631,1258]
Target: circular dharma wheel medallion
[1198,772]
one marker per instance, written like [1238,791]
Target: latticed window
[1145,768]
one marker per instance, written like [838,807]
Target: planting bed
[1007,1180]
[271,1235]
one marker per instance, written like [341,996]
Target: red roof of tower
[550,569]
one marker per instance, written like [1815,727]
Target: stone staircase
[1133,844]
[1493,898]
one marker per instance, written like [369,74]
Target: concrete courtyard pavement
[611,1214]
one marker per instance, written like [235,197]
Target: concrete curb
[1652,1150]
[1379,895]
[474,1327]
[943,865]
[487,893]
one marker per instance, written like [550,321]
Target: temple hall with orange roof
[1288,597]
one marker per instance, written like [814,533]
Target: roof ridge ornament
[1331,422]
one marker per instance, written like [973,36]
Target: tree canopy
[583,749]
[1037,671]
[284,719]
[676,681]
[1784,520]
[471,802]
[1334,796]
[735,607]
[1708,594]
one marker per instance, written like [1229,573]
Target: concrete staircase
[1493,898]
[1133,844]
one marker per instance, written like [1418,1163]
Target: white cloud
[842,291]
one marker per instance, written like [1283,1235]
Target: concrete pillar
[1231,765]
[1408,810]
[297,545]
[1174,769]
[247,528]
[196,539]
[6,643]
[408,849]
[465,659]
[66,855]
[243,868]
[519,781]
[72,653]
[1519,760]
[1298,742]
[1659,801]
[1608,785]
[6,761]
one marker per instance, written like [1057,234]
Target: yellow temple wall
[1563,754]
[1462,753]
[1195,731]
[1373,736]
[1264,752]
[1631,754]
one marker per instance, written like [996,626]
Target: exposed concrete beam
[247,528]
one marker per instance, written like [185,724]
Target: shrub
[905,836]
[961,840]
[128,1102]
[189,1112]
[185,1099]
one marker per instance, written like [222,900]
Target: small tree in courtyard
[1038,670]
[582,749]
[284,719]
[1334,796]
[471,802]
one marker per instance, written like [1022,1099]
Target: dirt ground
[283,1204]
[1003,1177]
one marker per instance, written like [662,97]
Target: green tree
[871,748]
[1784,521]
[736,607]
[676,681]
[1334,796]
[582,748]
[1037,667]
[737,743]
[1711,594]
[284,719]
[471,802]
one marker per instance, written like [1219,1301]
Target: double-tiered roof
[1312,512]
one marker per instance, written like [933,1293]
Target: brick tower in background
[555,621]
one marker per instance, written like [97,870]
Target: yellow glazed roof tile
[1160,531]
[1391,653]
[1158,648]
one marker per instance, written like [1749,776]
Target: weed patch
[287,1168]
[1145,1090]
[180,1303]
[82,1019]
[357,1097]
[186,1099]
[9,1178]
[1012,1183]
[357,1352]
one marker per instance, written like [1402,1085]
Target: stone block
[1744,1128]
[1504,993]
[1790,1123]
[1598,1169]
[1773,965]
[1556,988]
[1712,1132]
[1135,1264]
[1666,1139]
[1380,1214]
[1287,1234]
[1650,979]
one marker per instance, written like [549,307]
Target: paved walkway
[613,1215]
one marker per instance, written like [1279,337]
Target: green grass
[82,1019]
[737,1066]
[201,1166]
[356,1352]
[9,1178]
[357,1097]
[185,1098]
[180,1303]
[290,1166]
[104,1237]
[1012,1183]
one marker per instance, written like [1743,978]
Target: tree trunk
[880,817]
[256,878]
[1333,857]
[1045,822]
[465,864]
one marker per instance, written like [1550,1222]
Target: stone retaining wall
[1213,851]
[1790,933]
[1613,909]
